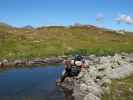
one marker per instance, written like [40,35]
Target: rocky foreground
[93,82]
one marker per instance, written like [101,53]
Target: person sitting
[73,67]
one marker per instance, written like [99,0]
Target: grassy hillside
[54,41]
[120,90]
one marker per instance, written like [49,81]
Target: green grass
[54,41]
[99,51]
[120,90]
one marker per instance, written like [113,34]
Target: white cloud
[99,17]
[123,18]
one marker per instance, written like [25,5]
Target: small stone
[83,87]
[5,61]
[107,90]
[131,90]
[108,81]
[91,96]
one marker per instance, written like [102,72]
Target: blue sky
[65,12]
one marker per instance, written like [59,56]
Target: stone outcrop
[93,81]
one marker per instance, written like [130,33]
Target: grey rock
[93,82]
[91,96]
[5,61]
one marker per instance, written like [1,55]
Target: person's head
[78,57]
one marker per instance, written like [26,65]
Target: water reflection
[36,83]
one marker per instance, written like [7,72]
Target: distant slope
[4,25]
[49,41]
[28,27]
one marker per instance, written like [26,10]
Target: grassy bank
[53,41]
[120,90]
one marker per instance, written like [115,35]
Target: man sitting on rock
[73,67]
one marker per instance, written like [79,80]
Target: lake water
[36,83]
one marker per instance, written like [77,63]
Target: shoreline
[37,61]
[49,60]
